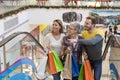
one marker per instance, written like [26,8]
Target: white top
[55,44]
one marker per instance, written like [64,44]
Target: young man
[92,40]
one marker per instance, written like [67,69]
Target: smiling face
[56,27]
[71,30]
[88,25]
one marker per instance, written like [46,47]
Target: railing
[114,58]
[29,47]
[4,41]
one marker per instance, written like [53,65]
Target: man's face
[88,25]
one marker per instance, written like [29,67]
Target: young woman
[53,41]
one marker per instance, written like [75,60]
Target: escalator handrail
[108,44]
[12,36]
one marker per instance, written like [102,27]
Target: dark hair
[92,20]
[60,24]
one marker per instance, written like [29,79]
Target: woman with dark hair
[54,39]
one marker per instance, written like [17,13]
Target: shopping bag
[47,68]
[42,66]
[58,63]
[51,63]
[81,75]
[75,66]
[88,71]
[67,73]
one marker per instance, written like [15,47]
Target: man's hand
[85,55]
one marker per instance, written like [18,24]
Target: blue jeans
[97,67]
[75,78]
[56,76]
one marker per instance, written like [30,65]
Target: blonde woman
[53,41]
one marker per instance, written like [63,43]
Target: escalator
[115,58]
[29,59]
[26,65]
[6,40]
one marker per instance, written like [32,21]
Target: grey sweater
[93,47]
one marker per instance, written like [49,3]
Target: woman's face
[55,27]
[71,30]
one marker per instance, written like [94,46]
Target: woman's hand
[61,53]
[49,47]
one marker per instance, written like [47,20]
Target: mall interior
[25,23]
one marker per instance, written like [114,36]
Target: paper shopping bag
[58,63]
[88,71]
[67,72]
[75,66]
[81,75]
[51,63]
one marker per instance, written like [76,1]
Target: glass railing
[22,53]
